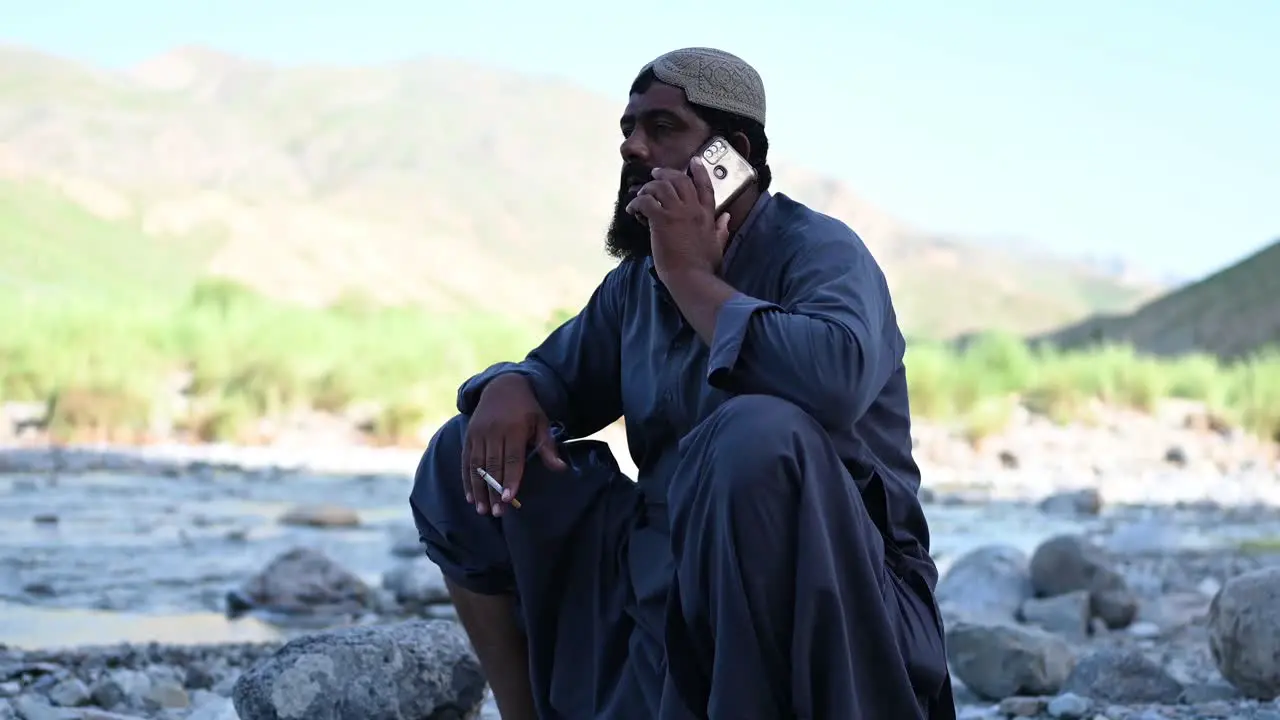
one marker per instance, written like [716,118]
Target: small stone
[1209,587]
[1066,615]
[40,588]
[226,685]
[1083,502]
[321,516]
[122,687]
[1122,676]
[167,693]
[1116,606]
[1199,693]
[406,543]
[416,583]
[1069,706]
[215,708]
[1148,715]
[32,708]
[200,677]
[1021,706]
[1008,460]
[1144,629]
[71,692]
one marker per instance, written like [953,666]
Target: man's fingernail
[480,508]
[506,494]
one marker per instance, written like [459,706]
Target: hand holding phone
[730,172]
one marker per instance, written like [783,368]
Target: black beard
[628,238]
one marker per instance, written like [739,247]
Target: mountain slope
[432,182]
[1229,314]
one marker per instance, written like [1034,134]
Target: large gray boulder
[1002,660]
[1122,677]
[1070,563]
[416,670]
[988,585]
[1244,632]
[303,582]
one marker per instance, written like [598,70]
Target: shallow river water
[100,558]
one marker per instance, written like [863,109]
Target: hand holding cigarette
[495,486]
[506,422]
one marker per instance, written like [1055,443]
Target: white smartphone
[730,172]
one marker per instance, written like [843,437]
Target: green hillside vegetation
[108,371]
[104,369]
[54,249]
[98,319]
[977,387]
[1230,314]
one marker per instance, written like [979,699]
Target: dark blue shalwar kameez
[771,559]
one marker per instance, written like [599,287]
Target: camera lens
[720,172]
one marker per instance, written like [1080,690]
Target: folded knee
[752,443]
[759,428]
[443,453]
[468,547]
[471,553]
[448,440]
[437,483]
[743,416]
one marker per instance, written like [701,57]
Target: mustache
[635,174]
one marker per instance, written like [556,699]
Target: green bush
[970,387]
[247,358]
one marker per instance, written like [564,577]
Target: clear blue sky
[1144,129]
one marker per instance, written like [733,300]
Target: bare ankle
[490,622]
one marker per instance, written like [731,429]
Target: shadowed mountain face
[1229,314]
[435,182]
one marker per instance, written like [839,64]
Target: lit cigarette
[496,486]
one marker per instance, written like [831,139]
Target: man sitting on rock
[771,560]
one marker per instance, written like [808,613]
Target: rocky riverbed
[148,583]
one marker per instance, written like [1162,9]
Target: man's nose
[634,149]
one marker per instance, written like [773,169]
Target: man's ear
[740,143]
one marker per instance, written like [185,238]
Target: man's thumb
[547,448]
